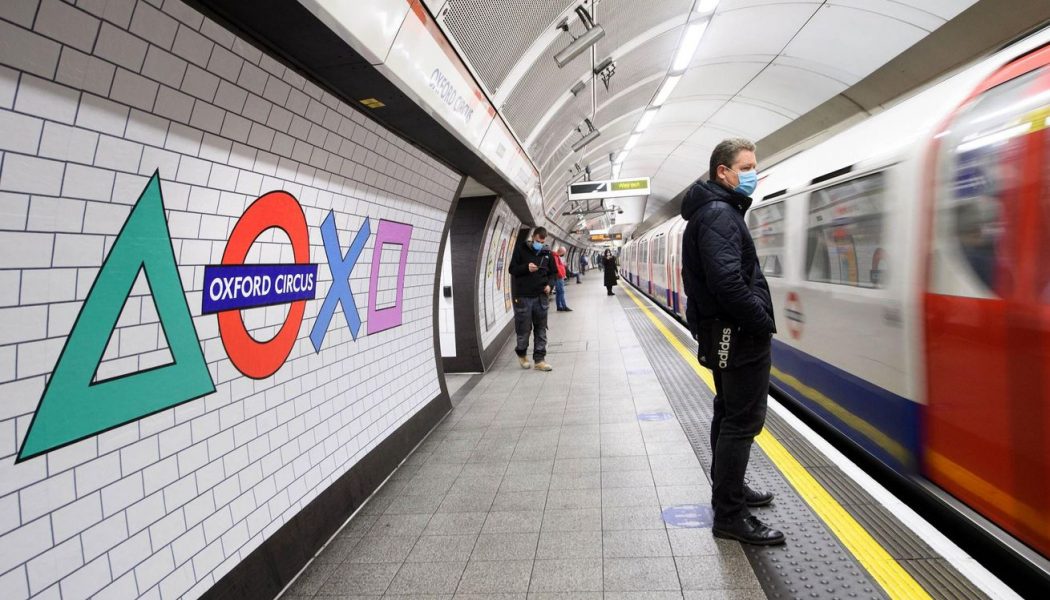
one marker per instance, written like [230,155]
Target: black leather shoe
[749,530]
[567,309]
[756,498]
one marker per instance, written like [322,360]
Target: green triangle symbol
[73,408]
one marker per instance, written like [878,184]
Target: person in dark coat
[609,268]
[533,272]
[730,313]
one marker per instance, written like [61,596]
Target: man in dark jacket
[730,312]
[533,273]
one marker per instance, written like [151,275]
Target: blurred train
[909,260]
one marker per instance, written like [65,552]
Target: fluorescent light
[687,47]
[631,141]
[706,6]
[647,118]
[666,89]
[616,171]
[619,159]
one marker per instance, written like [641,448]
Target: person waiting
[559,283]
[609,267]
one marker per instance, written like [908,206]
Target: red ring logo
[253,358]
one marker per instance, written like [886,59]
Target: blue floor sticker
[655,416]
[688,516]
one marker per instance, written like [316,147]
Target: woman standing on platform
[609,266]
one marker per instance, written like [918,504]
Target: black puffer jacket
[530,283]
[720,267]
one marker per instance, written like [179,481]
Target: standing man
[730,313]
[559,283]
[533,272]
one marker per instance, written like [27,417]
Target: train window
[845,243]
[767,228]
[980,188]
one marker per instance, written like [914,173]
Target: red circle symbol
[253,358]
[795,317]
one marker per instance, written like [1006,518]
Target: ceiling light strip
[683,57]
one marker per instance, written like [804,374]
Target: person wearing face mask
[533,273]
[730,314]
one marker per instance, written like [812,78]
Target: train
[908,256]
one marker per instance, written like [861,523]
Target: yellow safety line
[889,574]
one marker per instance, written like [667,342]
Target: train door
[673,252]
[659,257]
[680,298]
[987,303]
[833,328]
[649,247]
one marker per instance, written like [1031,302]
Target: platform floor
[578,483]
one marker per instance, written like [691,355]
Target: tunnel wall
[150,447]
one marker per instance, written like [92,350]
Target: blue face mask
[748,182]
[537,246]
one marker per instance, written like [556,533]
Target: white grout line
[967,566]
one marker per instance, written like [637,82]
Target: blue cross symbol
[340,292]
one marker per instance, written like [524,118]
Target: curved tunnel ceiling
[759,65]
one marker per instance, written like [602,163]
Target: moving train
[909,261]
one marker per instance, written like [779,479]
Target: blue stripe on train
[896,417]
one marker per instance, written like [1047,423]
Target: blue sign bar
[233,287]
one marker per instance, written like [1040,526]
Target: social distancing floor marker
[887,572]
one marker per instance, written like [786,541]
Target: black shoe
[567,309]
[749,530]
[610,294]
[756,498]
[561,310]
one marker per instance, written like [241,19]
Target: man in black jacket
[533,273]
[730,312]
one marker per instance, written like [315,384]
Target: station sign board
[606,237]
[615,188]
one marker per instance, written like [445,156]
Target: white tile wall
[96,95]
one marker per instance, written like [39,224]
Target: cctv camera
[619,211]
[589,38]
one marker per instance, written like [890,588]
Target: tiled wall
[494,302]
[95,97]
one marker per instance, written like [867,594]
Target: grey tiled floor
[543,485]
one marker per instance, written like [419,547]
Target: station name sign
[616,188]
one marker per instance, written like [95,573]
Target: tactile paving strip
[813,564]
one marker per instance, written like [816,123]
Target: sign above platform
[616,188]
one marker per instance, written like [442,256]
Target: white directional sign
[616,188]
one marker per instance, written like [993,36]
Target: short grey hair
[726,152]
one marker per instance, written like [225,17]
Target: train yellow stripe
[886,571]
[895,448]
